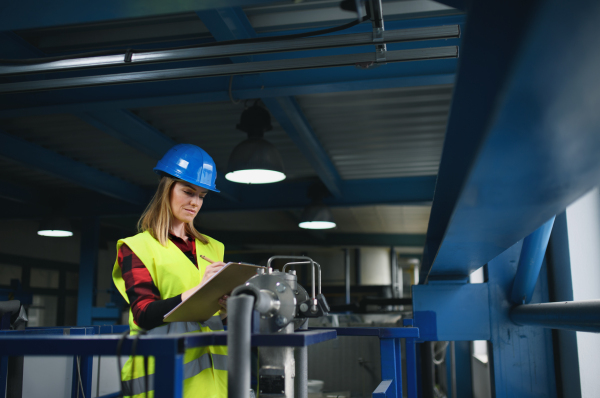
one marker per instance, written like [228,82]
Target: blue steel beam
[132,130]
[530,263]
[282,196]
[277,84]
[231,24]
[30,14]
[45,160]
[17,193]
[522,141]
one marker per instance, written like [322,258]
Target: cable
[130,52]
[80,385]
[234,102]
[440,351]
[119,346]
[98,378]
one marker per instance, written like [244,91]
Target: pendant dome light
[317,215]
[55,227]
[255,160]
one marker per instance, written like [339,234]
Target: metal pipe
[233,50]
[315,264]
[419,54]
[530,263]
[582,316]
[302,367]
[394,271]
[238,344]
[347,272]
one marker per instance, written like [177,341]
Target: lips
[192,212]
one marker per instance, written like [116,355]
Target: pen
[207,259]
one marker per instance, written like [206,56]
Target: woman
[159,267]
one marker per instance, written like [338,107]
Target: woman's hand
[223,304]
[211,269]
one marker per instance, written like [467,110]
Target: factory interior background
[437,158]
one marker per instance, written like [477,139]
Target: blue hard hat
[189,163]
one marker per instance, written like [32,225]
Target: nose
[196,201]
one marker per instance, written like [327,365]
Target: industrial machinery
[282,306]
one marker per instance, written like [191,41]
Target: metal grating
[70,136]
[381,133]
[211,126]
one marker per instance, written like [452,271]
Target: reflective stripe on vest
[190,369]
[175,328]
[220,361]
[213,323]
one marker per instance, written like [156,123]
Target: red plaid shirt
[141,290]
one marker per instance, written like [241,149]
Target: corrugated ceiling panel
[381,133]
[72,137]
[211,126]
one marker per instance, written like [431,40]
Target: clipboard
[204,302]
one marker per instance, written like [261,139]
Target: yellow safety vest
[205,368]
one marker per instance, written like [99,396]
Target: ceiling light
[317,216]
[56,227]
[255,160]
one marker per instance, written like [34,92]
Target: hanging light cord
[127,54]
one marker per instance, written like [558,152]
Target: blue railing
[86,342]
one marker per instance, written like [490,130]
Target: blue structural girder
[368,192]
[45,160]
[17,193]
[522,141]
[130,129]
[452,311]
[232,24]
[275,84]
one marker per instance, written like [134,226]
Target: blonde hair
[158,215]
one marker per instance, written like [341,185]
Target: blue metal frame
[130,129]
[276,84]
[88,341]
[506,150]
[391,357]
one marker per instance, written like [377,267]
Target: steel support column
[87,270]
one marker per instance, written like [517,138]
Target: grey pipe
[239,310]
[302,368]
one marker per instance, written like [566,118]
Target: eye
[188,193]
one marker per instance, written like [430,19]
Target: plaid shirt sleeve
[139,285]
[144,298]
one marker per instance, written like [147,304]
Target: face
[186,200]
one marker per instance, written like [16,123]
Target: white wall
[375,268]
[583,224]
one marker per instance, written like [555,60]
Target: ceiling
[380,133]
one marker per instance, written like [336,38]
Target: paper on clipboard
[203,302]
